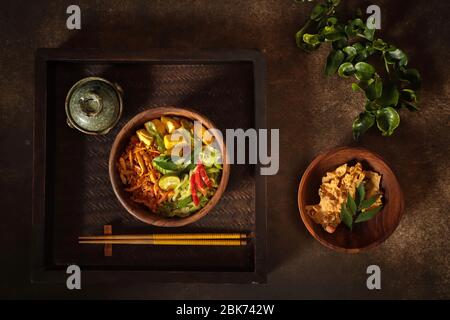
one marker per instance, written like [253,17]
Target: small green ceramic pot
[94,105]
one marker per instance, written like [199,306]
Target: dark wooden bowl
[364,235]
[139,211]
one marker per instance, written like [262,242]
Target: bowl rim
[302,186]
[152,218]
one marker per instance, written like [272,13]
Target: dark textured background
[312,112]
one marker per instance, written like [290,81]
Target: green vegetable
[210,156]
[355,211]
[346,217]
[164,164]
[365,216]
[360,194]
[150,126]
[351,205]
[352,43]
[183,202]
[168,182]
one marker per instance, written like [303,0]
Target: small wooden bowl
[364,235]
[139,211]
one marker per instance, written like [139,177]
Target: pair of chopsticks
[184,239]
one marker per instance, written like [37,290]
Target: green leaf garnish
[346,217]
[354,209]
[360,194]
[365,216]
[365,204]
[351,205]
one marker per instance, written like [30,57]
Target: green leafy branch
[355,210]
[352,44]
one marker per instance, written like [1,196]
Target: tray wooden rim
[39,272]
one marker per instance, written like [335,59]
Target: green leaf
[368,33]
[365,204]
[408,95]
[411,106]
[346,217]
[362,123]
[389,96]
[364,71]
[362,55]
[379,44]
[387,120]
[410,75]
[334,60]
[351,205]
[369,49]
[334,33]
[355,87]
[164,164]
[371,106]
[339,44]
[365,216]
[354,27]
[360,194]
[150,127]
[299,38]
[396,55]
[350,53]
[374,89]
[358,46]
[311,39]
[318,12]
[346,69]
[331,21]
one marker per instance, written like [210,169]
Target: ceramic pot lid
[93,105]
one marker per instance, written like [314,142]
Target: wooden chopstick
[170,236]
[184,242]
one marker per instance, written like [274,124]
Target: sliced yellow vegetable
[203,134]
[170,124]
[169,182]
[145,137]
[159,126]
[170,141]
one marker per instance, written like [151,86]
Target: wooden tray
[72,194]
